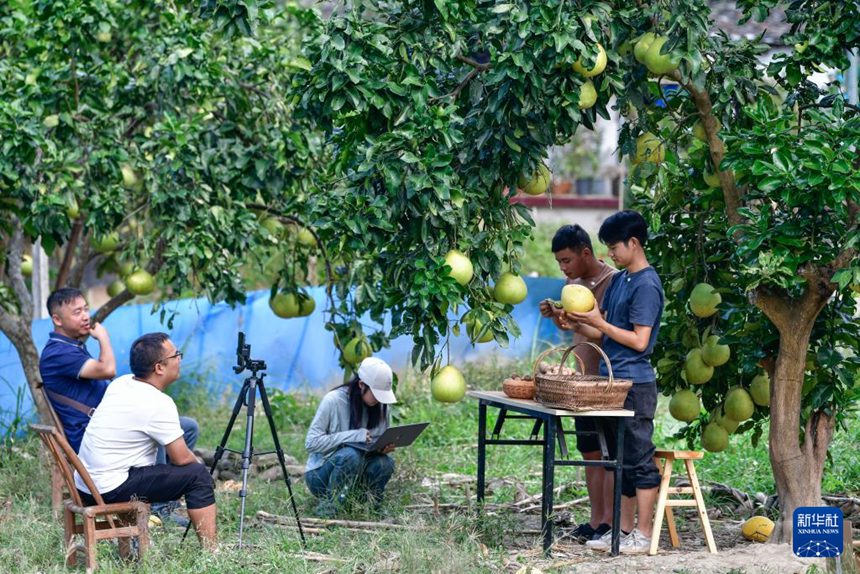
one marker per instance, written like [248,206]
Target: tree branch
[77,90]
[254,89]
[775,308]
[9,323]
[135,211]
[478,68]
[472,62]
[805,107]
[76,274]
[129,131]
[844,259]
[791,313]
[818,434]
[787,313]
[731,193]
[849,254]
[112,305]
[456,92]
[16,278]
[152,268]
[69,255]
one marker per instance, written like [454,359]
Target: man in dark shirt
[633,304]
[75,381]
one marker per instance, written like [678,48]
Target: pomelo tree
[434,110]
[775,232]
[401,130]
[136,138]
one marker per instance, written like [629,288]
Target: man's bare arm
[105,366]
[179,453]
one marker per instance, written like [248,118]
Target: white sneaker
[635,543]
[604,543]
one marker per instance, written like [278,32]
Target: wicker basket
[519,387]
[578,392]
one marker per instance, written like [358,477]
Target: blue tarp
[299,353]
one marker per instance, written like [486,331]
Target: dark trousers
[639,470]
[163,483]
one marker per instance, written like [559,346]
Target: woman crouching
[350,416]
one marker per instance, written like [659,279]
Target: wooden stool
[664,460]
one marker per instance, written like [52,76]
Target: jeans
[347,467]
[190,430]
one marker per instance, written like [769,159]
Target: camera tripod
[247,396]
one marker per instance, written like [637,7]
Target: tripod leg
[219,451]
[264,398]
[248,451]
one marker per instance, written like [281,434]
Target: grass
[31,539]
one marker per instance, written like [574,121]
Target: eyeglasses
[178,354]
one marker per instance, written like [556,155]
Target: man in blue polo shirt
[75,381]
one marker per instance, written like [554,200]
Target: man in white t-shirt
[133,418]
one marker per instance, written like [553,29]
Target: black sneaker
[582,533]
[601,529]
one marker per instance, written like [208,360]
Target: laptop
[398,436]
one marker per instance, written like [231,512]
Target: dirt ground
[735,555]
[747,558]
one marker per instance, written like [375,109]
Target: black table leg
[500,421]
[482,450]
[536,429]
[602,426]
[616,504]
[562,442]
[548,481]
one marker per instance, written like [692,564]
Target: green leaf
[770,184]
[300,63]
[442,6]
[513,145]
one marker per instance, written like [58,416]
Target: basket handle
[602,354]
[567,351]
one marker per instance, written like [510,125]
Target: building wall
[588,212]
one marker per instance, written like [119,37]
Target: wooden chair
[57,483]
[665,460]
[122,520]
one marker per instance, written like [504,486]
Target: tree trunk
[18,325]
[22,338]
[797,465]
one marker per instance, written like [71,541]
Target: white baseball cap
[377,375]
